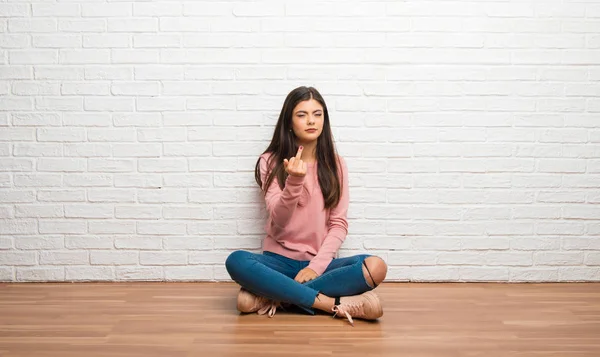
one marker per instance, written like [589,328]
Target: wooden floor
[199,319]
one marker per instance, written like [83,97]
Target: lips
[311,130]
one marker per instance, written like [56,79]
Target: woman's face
[307,120]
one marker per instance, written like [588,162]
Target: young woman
[305,185]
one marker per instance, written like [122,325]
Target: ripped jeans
[272,276]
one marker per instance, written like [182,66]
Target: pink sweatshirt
[298,226]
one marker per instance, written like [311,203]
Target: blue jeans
[272,276]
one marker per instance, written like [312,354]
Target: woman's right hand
[295,166]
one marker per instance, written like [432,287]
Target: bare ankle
[324,303]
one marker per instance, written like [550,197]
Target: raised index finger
[299,153]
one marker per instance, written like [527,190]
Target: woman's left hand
[304,275]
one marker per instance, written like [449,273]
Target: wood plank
[199,319]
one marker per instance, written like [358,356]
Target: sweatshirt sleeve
[338,228]
[281,204]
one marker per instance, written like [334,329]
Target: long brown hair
[283,146]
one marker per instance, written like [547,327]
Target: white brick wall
[129,132]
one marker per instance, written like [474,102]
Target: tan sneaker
[365,306]
[248,302]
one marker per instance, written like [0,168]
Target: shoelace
[347,309]
[269,308]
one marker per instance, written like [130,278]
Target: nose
[311,119]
